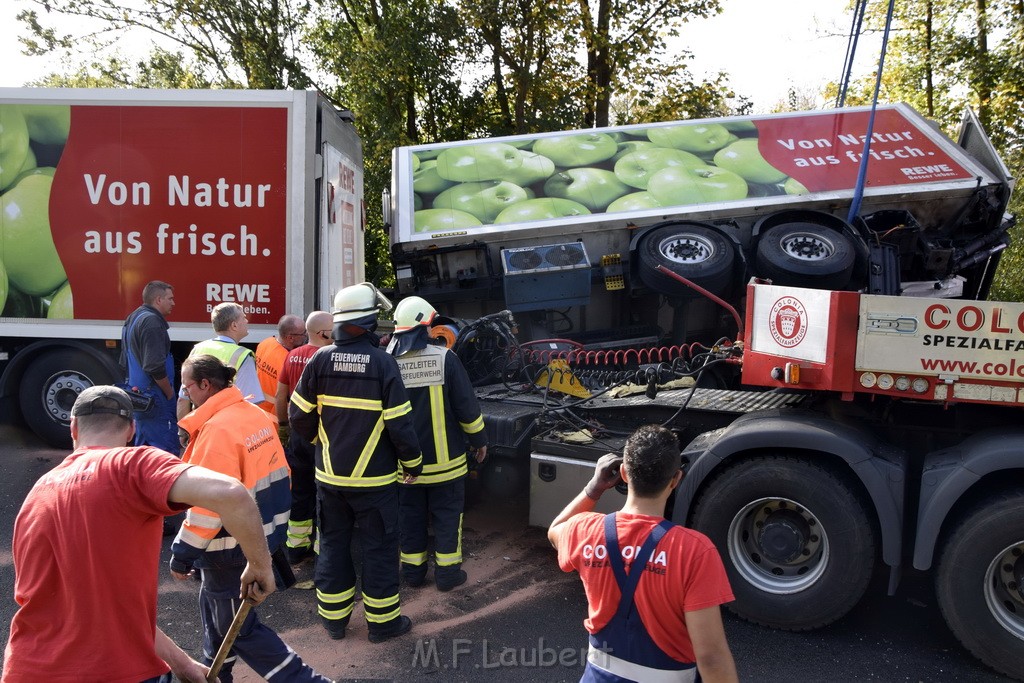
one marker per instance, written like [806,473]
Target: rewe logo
[787,322]
[912,171]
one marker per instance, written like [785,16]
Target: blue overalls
[158,426]
[623,651]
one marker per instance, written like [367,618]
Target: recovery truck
[230,195]
[814,329]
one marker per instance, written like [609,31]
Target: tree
[252,44]
[622,36]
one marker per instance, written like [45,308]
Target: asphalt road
[519,618]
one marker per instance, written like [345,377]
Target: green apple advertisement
[659,167]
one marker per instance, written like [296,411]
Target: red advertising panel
[823,152]
[195,196]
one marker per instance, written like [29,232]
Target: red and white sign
[791,323]
[194,196]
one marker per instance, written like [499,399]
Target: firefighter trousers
[300,454]
[257,644]
[375,511]
[440,506]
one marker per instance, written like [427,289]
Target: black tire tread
[763,463]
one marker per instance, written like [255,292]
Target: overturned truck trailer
[570,228]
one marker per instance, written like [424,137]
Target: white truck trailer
[230,195]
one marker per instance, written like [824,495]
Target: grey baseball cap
[103,399]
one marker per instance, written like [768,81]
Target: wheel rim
[61,391]
[1004,593]
[778,546]
[687,248]
[808,246]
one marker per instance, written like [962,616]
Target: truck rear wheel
[697,252]
[797,543]
[49,388]
[980,583]
[805,255]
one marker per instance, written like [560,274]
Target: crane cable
[862,172]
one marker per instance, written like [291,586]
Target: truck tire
[980,580]
[49,388]
[698,252]
[805,255]
[797,543]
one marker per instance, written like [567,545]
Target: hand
[606,475]
[408,478]
[481,454]
[191,672]
[257,582]
[182,577]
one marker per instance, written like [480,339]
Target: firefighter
[350,398]
[446,415]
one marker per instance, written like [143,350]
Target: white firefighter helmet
[358,301]
[413,312]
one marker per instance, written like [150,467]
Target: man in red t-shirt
[662,620]
[98,511]
[300,453]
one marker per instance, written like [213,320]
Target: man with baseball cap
[102,507]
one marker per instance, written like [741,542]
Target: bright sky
[767,46]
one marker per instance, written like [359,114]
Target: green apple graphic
[485,200]
[425,179]
[636,169]
[683,185]
[535,168]
[692,137]
[61,305]
[444,220]
[13,144]
[415,163]
[30,163]
[740,127]
[428,154]
[30,256]
[540,209]
[477,162]
[794,186]
[744,159]
[48,124]
[3,286]
[635,201]
[580,149]
[38,170]
[594,188]
[417,203]
[629,146]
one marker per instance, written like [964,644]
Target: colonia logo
[787,322]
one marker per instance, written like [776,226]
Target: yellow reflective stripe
[357,482]
[415,462]
[438,468]
[397,411]
[368,449]
[437,423]
[414,558]
[346,402]
[302,404]
[336,597]
[474,426]
[334,614]
[448,559]
[441,478]
[380,603]
[383,618]
[325,448]
[238,357]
